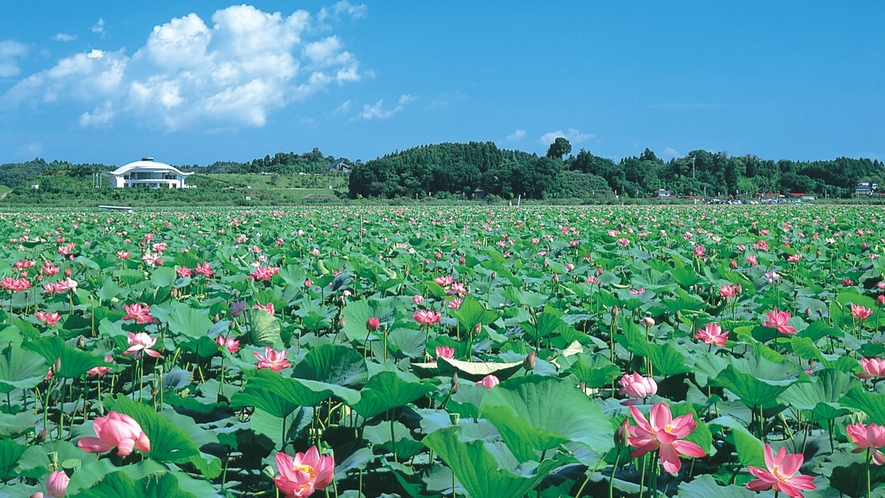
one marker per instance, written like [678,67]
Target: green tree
[559,148]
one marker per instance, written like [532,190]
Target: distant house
[338,167]
[802,196]
[865,189]
[148,173]
[662,193]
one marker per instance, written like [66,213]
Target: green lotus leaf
[475,371]
[187,321]
[478,471]
[264,329]
[10,452]
[752,391]
[593,370]
[388,390]
[535,414]
[872,404]
[74,362]
[20,369]
[472,313]
[333,364]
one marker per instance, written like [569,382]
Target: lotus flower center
[774,470]
[668,428]
[307,469]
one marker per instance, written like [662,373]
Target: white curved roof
[147,166]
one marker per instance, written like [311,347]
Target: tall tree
[559,148]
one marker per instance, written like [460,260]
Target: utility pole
[693,176]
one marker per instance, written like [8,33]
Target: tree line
[447,169]
[468,170]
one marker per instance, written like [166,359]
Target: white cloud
[232,72]
[670,152]
[10,51]
[63,37]
[343,109]
[572,135]
[516,135]
[98,28]
[343,7]
[31,149]
[378,111]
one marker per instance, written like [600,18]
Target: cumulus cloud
[670,152]
[232,71]
[63,37]
[572,135]
[10,52]
[516,135]
[378,111]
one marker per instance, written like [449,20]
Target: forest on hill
[464,169]
[481,169]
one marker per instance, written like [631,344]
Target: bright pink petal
[670,459]
[688,448]
[94,445]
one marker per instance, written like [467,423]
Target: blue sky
[197,82]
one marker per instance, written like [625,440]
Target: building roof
[147,165]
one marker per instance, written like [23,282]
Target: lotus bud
[372,324]
[341,322]
[477,328]
[733,264]
[308,284]
[455,384]
[647,321]
[42,435]
[614,311]
[462,260]
[56,366]
[81,343]
[622,433]
[556,278]
[38,494]
[529,362]
[881,300]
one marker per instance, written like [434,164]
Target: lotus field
[454,351]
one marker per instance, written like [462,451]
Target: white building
[148,173]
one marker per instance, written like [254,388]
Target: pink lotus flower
[779,320]
[780,474]
[183,272]
[662,432]
[636,386]
[870,437]
[444,281]
[446,352]
[204,269]
[123,254]
[372,324]
[57,484]
[272,359]
[647,321]
[48,318]
[712,334]
[860,312]
[873,367]
[489,381]
[455,303]
[100,370]
[417,299]
[116,431]
[427,317]
[139,312]
[729,291]
[266,307]
[231,344]
[752,260]
[141,343]
[304,474]
[457,288]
